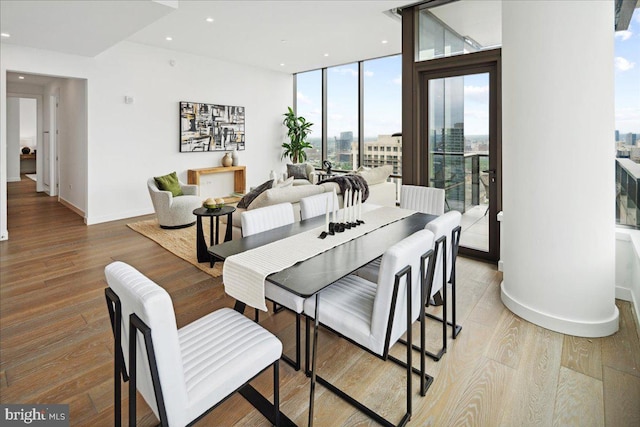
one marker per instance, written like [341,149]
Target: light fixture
[168,39]
[326,54]
[5,35]
[282,64]
[21,77]
[209,19]
[384,42]
[472,43]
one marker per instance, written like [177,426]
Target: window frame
[360,137]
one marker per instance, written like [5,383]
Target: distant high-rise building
[617,135]
[344,142]
[387,150]
[630,138]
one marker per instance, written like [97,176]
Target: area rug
[180,242]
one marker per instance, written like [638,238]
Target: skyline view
[383,101]
[627,77]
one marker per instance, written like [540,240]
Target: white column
[558,165]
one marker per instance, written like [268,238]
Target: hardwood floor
[56,345]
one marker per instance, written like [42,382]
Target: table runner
[244,274]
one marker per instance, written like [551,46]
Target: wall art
[211,127]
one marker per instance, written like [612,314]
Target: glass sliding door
[460,145]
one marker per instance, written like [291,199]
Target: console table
[239,178]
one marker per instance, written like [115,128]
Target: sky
[383,84]
[627,77]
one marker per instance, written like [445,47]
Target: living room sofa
[381,192]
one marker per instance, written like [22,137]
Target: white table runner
[244,273]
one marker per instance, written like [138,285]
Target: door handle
[492,174]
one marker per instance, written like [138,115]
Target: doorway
[460,138]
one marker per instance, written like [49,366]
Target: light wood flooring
[56,345]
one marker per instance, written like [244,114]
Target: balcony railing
[628,193]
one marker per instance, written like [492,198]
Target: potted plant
[297,130]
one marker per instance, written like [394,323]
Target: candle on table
[326,217]
[346,206]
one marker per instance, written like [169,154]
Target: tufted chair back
[262,219]
[317,205]
[152,304]
[406,252]
[443,226]
[429,200]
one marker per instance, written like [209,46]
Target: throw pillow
[169,183]
[251,195]
[376,175]
[297,171]
[286,183]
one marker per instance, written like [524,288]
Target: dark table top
[225,210]
[308,277]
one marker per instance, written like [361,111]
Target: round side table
[201,244]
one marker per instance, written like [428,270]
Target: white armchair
[174,212]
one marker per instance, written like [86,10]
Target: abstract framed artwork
[210,127]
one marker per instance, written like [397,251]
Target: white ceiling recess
[80,27]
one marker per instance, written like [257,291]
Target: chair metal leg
[295,364]
[307,341]
[408,364]
[276,392]
[119,369]
[313,361]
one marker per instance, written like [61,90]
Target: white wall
[628,267]
[28,121]
[13,139]
[72,143]
[558,166]
[127,143]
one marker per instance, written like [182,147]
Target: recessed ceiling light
[282,64]
[283,41]
[5,34]
[384,42]
[21,77]
[326,54]
[168,39]
[209,19]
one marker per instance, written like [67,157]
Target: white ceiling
[264,34]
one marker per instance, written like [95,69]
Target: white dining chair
[374,316]
[429,200]
[317,204]
[447,230]
[183,373]
[263,219]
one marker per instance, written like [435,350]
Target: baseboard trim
[71,206]
[602,328]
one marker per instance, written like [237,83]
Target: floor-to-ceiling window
[382,114]
[363,118]
[627,137]
[452,128]
[342,116]
[309,106]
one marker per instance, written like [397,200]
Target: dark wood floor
[56,345]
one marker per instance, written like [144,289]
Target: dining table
[308,276]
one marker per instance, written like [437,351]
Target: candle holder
[332,228]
